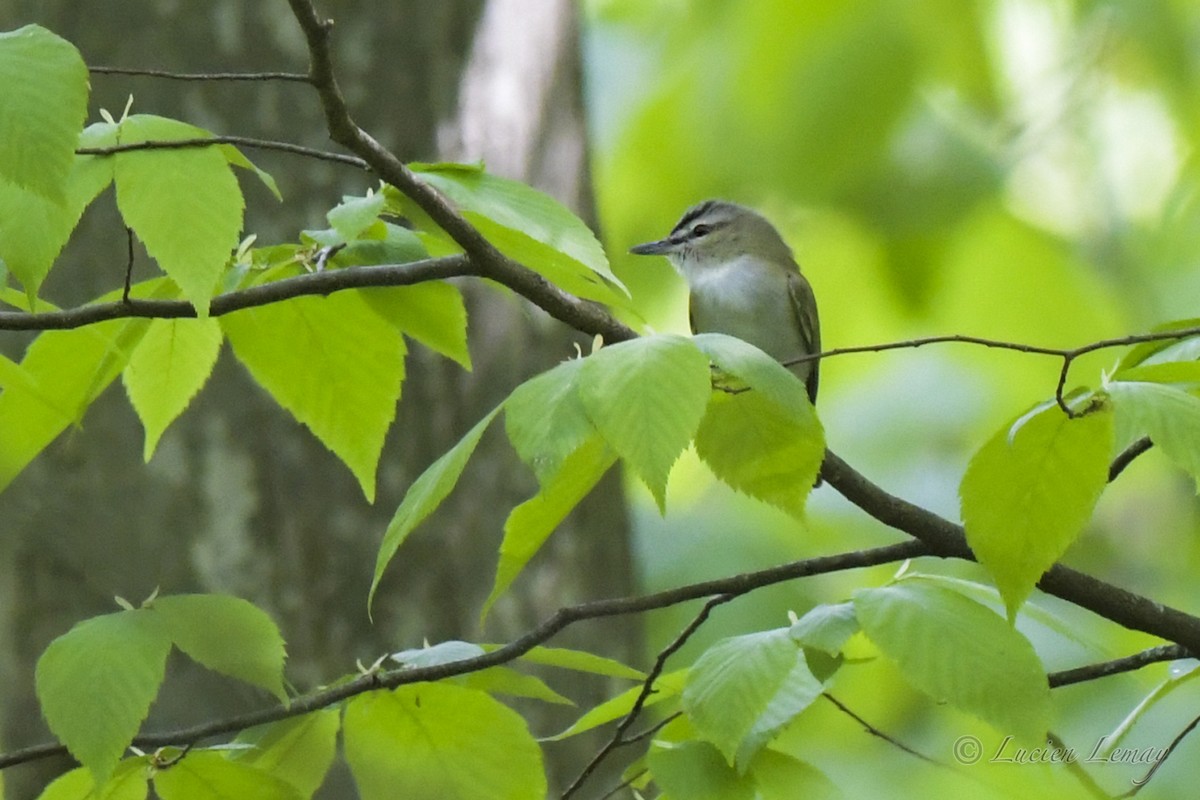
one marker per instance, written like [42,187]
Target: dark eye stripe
[692,215]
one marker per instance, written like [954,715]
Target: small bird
[744,282]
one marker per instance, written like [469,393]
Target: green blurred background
[1021,169]
[1017,169]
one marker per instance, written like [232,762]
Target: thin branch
[1126,457]
[202,76]
[912,344]
[653,729]
[618,738]
[625,784]
[1067,354]
[318,283]
[239,141]
[871,729]
[1067,677]
[733,586]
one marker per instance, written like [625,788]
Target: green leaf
[381,243]
[34,229]
[1166,372]
[508,681]
[530,227]
[210,776]
[238,159]
[69,369]
[159,190]
[433,313]
[95,684]
[647,397]
[1163,349]
[759,372]
[757,447]
[779,776]
[668,686]
[761,437]
[545,419]
[743,690]
[1169,415]
[425,495]
[169,366]
[299,750]
[956,650]
[695,770]
[354,215]
[42,109]
[826,627]
[456,743]
[129,781]
[577,660]
[11,374]
[531,523]
[1029,491]
[228,635]
[331,362]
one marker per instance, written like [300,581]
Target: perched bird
[744,282]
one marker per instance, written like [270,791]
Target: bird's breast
[747,299]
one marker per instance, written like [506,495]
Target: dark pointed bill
[659,248]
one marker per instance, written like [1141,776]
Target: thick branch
[947,539]
[319,283]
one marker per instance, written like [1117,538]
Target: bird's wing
[804,305]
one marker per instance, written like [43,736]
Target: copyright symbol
[967,750]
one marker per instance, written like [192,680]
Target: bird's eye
[701,230]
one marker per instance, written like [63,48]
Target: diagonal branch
[660,663]
[947,539]
[584,316]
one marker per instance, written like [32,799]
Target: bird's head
[716,232]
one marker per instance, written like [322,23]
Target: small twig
[871,729]
[327,253]
[1140,783]
[128,265]
[1166,652]
[1126,457]
[625,784]
[653,729]
[660,662]
[239,141]
[202,76]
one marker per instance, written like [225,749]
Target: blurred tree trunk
[239,497]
